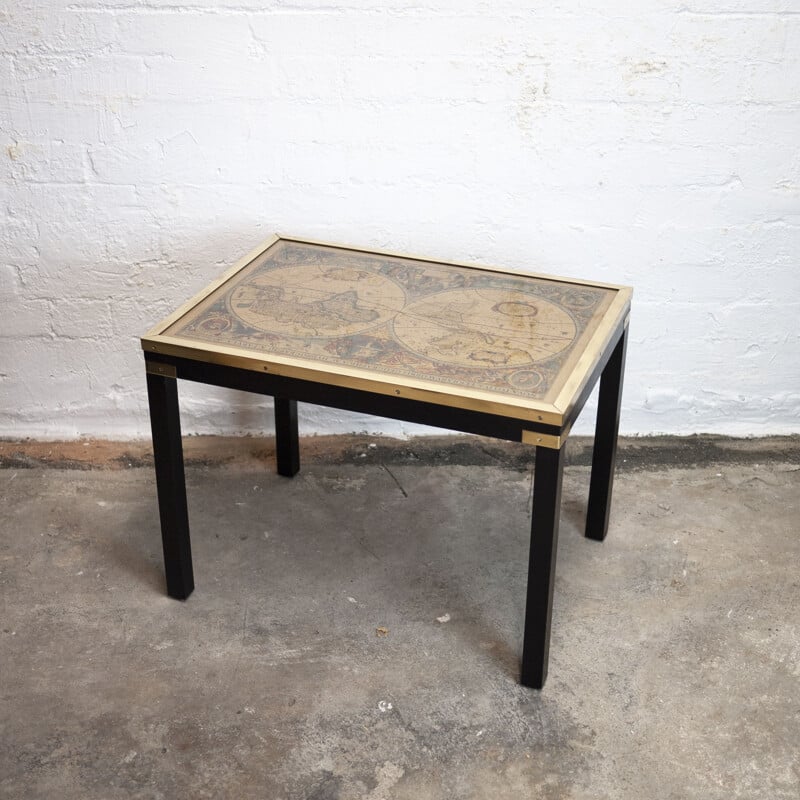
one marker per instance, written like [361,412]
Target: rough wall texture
[146,145]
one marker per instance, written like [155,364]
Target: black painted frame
[164,370]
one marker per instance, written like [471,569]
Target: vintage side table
[501,353]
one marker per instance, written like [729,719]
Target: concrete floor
[675,657]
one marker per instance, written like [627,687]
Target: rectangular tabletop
[498,341]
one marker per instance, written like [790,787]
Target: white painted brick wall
[146,145]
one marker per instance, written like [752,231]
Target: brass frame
[552,413]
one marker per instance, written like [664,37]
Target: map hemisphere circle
[485,328]
[316,301]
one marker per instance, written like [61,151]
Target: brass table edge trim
[213,286]
[619,311]
[484,402]
[447,263]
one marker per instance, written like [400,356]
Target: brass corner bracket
[157,368]
[543,439]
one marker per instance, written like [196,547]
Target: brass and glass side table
[502,353]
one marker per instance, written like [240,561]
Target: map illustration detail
[463,326]
[485,328]
[316,300]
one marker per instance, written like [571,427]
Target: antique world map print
[463,326]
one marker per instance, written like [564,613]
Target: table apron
[348,399]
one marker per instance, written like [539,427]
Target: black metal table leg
[542,565]
[605,443]
[287,445]
[162,393]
